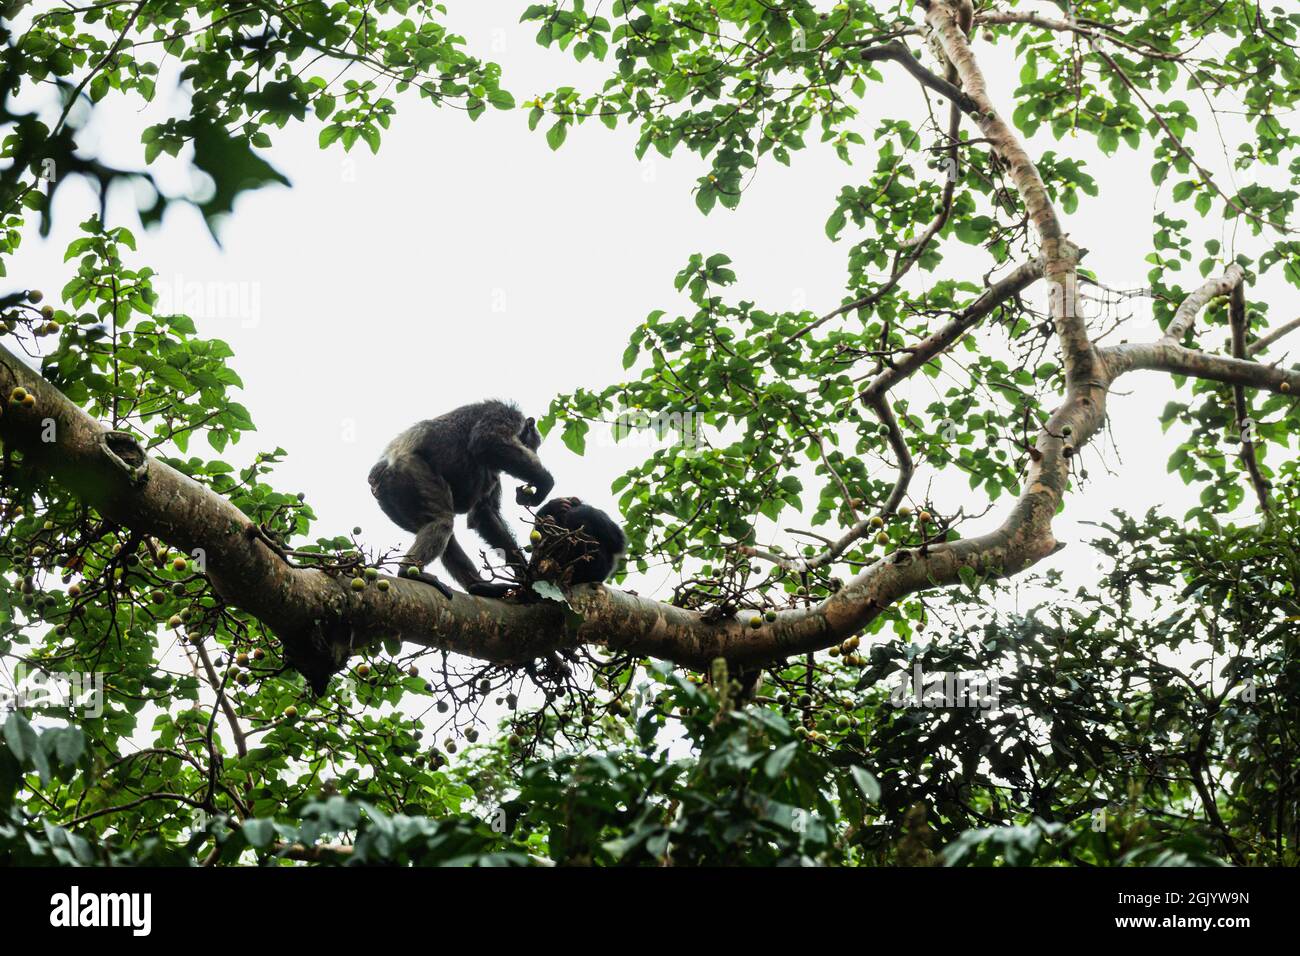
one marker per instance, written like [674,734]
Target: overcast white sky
[468,260]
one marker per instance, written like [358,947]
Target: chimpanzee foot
[415,574]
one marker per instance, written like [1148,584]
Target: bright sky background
[468,260]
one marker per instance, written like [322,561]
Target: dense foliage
[1146,719]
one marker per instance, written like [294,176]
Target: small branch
[899,444]
[1005,288]
[1261,344]
[897,51]
[219,685]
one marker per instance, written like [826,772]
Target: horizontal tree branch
[321,621]
[1177,359]
[1086,28]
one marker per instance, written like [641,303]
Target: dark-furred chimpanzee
[573,543]
[452,465]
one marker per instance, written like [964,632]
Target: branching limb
[1265,341]
[1167,357]
[1185,317]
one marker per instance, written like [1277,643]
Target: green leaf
[867,783]
[556,134]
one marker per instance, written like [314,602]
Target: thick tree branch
[1191,307]
[321,621]
[944,18]
[1168,357]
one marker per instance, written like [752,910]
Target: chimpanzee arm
[505,452]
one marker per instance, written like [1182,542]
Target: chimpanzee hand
[529,496]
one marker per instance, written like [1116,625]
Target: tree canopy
[257,688]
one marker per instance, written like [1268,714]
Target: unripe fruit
[358,584]
[258,654]
[383,584]
[363,670]
[18,394]
[771,616]
[413,671]
[291,712]
[29,401]
[925,517]
[47,312]
[74,590]
[535,536]
[882,538]
[35,295]
[1286,386]
[179,564]
[756,622]
[174,621]
[372,573]
[877,521]
[241,659]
